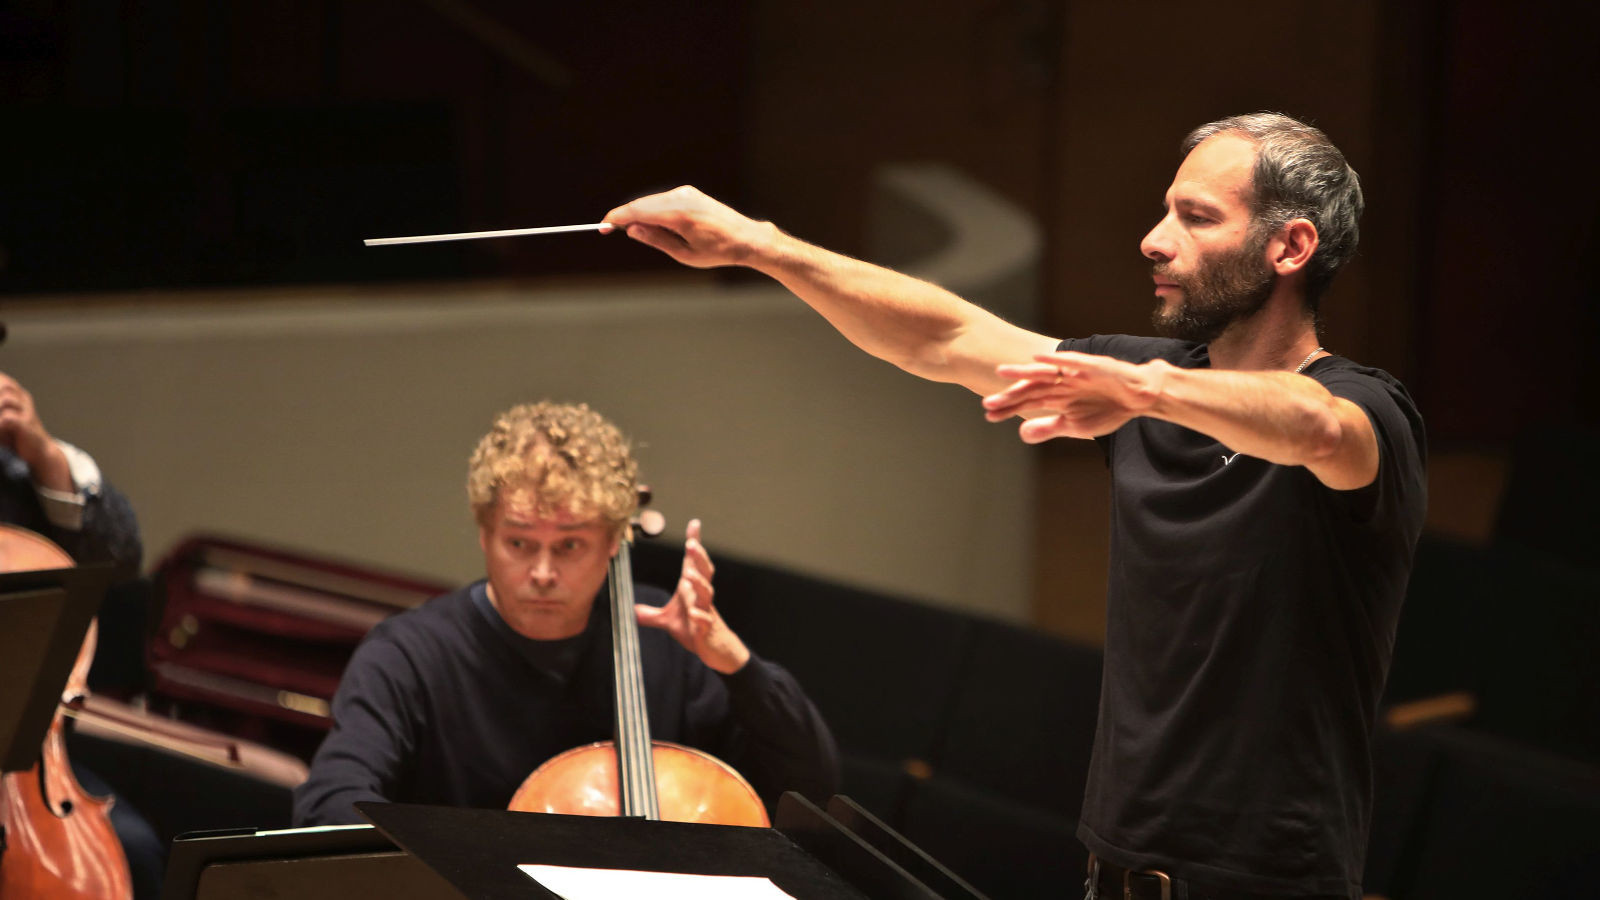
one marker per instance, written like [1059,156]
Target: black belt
[1118,883]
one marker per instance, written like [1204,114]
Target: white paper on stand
[615,884]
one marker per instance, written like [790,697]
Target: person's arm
[371,745]
[778,739]
[94,522]
[24,434]
[1281,417]
[89,518]
[918,326]
[109,530]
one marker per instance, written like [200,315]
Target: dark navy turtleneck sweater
[446,704]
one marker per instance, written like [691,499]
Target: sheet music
[612,884]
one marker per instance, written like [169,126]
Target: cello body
[59,843]
[691,786]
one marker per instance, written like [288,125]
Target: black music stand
[892,844]
[43,617]
[297,864]
[863,861]
[474,853]
[807,854]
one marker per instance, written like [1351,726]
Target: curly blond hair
[570,457]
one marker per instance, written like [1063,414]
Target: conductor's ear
[1293,247]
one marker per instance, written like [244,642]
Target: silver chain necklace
[1307,361]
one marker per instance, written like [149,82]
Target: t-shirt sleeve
[1402,450]
[373,740]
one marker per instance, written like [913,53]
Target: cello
[633,775]
[58,842]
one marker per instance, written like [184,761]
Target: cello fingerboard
[636,777]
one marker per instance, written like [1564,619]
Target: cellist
[457,701]
[55,489]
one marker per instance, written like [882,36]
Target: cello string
[622,712]
[635,760]
[629,660]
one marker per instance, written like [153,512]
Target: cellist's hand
[692,618]
[24,434]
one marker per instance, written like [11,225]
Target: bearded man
[1267,496]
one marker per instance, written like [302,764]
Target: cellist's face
[544,573]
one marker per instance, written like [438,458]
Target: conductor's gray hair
[1298,173]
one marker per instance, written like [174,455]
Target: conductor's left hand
[692,618]
[1077,395]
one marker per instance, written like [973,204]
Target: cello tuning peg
[652,523]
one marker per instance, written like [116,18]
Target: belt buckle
[1160,876]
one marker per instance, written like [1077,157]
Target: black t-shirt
[1250,619]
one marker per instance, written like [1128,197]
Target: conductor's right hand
[691,227]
